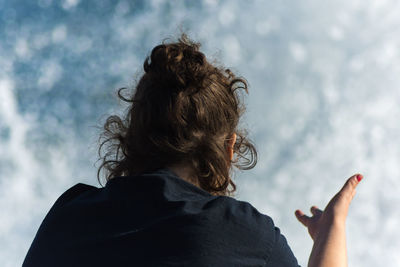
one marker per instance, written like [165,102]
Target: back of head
[183,111]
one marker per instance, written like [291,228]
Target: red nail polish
[359,177]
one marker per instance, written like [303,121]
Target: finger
[349,189]
[304,219]
[315,211]
[350,186]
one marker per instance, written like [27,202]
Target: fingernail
[359,177]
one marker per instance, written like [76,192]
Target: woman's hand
[327,228]
[334,213]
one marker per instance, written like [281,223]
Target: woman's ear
[231,144]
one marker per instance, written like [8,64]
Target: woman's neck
[185,173]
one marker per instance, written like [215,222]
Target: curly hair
[183,110]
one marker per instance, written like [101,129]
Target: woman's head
[183,111]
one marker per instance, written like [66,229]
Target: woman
[167,200]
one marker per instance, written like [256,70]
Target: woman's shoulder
[242,218]
[258,230]
[74,192]
[245,211]
[241,227]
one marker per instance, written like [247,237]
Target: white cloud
[68,4]
[226,15]
[59,33]
[122,8]
[41,40]
[82,44]
[50,72]
[231,48]
[22,49]
[336,33]
[264,27]
[298,51]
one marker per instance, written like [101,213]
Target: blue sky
[323,104]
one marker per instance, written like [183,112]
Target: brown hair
[182,111]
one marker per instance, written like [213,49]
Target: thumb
[349,188]
[339,204]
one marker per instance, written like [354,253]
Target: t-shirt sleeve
[281,254]
[259,237]
[38,253]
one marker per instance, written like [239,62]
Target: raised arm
[328,227]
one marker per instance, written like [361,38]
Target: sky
[323,104]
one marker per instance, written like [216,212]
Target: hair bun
[179,65]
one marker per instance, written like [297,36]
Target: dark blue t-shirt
[155,219]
